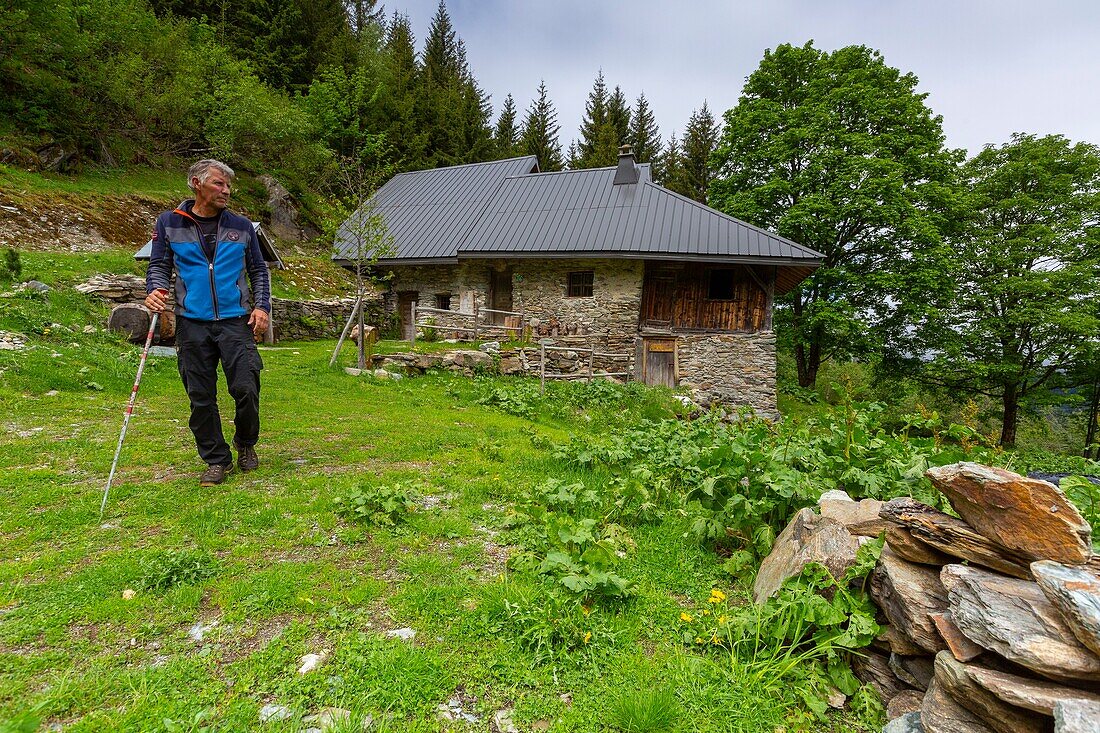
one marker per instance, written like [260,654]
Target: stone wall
[732,369]
[294,320]
[611,313]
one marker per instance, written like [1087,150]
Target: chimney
[627,172]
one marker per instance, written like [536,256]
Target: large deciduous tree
[838,152]
[1024,275]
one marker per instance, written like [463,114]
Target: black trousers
[201,345]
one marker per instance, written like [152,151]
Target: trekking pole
[129,410]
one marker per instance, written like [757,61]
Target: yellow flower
[698,640]
[716,596]
[723,619]
[685,616]
[713,639]
[587,636]
[706,612]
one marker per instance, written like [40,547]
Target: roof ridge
[467,165]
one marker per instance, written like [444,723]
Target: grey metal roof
[428,213]
[501,210]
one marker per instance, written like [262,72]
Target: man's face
[213,192]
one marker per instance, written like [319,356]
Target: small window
[580,284]
[720,284]
[443,301]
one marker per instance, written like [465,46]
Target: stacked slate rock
[992,618]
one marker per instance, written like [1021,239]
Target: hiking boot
[215,474]
[247,459]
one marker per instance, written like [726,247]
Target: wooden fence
[514,324]
[589,373]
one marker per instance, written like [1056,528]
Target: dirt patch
[68,224]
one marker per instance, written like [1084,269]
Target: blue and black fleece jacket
[209,289]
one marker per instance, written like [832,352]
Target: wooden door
[500,293]
[658,298]
[405,300]
[660,364]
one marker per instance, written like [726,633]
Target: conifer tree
[618,116]
[506,134]
[645,136]
[700,140]
[402,130]
[595,116]
[540,132]
[669,165]
[573,157]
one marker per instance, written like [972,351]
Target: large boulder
[1032,518]
[908,595]
[808,538]
[284,222]
[1013,618]
[997,714]
[1076,594]
[953,536]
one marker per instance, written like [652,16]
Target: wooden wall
[676,296]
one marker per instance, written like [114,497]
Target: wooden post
[591,357]
[362,334]
[344,333]
[412,333]
[475,317]
[542,368]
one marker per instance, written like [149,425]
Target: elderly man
[211,250]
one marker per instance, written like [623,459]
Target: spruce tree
[669,165]
[402,129]
[573,157]
[618,115]
[506,134]
[540,132]
[700,140]
[645,136]
[595,116]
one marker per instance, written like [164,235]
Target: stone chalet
[604,254]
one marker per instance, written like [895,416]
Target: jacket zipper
[209,259]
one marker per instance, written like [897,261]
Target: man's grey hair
[201,170]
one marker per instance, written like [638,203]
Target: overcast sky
[990,67]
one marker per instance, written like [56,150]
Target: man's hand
[259,320]
[157,300]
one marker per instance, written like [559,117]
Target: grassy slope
[292,576]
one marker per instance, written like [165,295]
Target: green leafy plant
[1086,497]
[547,623]
[165,570]
[378,505]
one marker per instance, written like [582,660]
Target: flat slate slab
[1002,717]
[1013,618]
[908,595]
[1076,593]
[1030,517]
[953,536]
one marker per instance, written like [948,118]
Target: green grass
[268,558]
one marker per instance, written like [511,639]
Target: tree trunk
[1091,436]
[1011,415]
[807,364]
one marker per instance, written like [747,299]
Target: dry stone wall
[1007,642]
[293,319]
[732,369]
